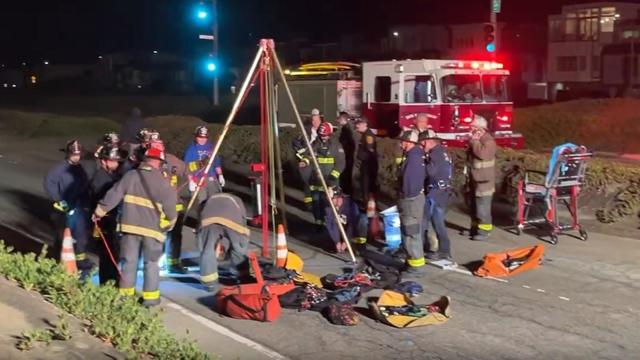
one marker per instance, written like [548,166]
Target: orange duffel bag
[511,262]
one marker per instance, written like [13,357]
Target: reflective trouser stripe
[209,278]
[479,164]
[308,199]
[335,173]
[485,227]
[151,295]
[81,256]
[360,240]
[173,261]
[127,291]
[179,207]
[416,262]
[325,160]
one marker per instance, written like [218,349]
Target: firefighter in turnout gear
[148,213]
[438,189]
[222,219]
[411,201]
[482,160]
[67,184]
[196,158]
[346,139]
[103,180]
[367,156]
[331,160]
[299,146]
[354,221]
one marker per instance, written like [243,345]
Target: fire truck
[390,94]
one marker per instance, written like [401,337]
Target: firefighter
[482,160]
[103,180]
[197,156]
[313,125]
[174,170]
[222,218]
[136,150]
[353,220]
[438,189]
[411,201]
[148,213]
[300,148]
[347,141]
[111,139]
[367,156]
[330,156]
[67,184]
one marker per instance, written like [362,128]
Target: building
[576,39]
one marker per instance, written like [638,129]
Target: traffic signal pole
[493,19]
[216,94]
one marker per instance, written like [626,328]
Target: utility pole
[495,8]
[214,15]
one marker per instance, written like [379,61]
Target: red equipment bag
[261,307]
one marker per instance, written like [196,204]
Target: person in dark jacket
[222,218]
[67,184]
[352,219]
[346,139]
[302,155]
[148,213]
[438,188]
[411,201]
[103,180]
[196,158]
[367,156]
[132,126]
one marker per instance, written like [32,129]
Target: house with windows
[576,40]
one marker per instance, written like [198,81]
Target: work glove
[62,206]
[221,180]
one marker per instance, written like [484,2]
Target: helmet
[109,152]
[202,131]
[154,153]
[73,147]
[362,120]
[153,136]
[409,136]
[157,144]
[325,129]
[428,134]
[110,138]
[142,135]
[315,112]
[479,122]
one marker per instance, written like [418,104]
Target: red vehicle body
[450,92]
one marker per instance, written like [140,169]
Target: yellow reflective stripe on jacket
[127,291]
[399,160]
[326,160]
[483,164]
[485,227]
[416,262]
[139,200]
[335,173]
[316,188]
[360,240]
[308,199]
[225,222]
[81,256]
[209,278]
[193,166]
[151,295]
[179,207]
[174,181]
[142,231]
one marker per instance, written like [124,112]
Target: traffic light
[211,66]
[490,37]
[202,12]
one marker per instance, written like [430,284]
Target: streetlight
[396,34]
[155,52]
[46,62]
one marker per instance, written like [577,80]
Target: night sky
[79,30]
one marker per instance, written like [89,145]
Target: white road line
[564,298]
[526,286]
[271,354]
[540,290]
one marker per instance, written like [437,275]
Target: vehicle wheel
[554,239]
[584,235]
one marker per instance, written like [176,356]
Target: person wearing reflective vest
[411,201]
[367,156]
[197,156]
[438,189]
[482,160]
[148,213]
[222,218]
[331,160]
[67,184]
[300,148]
[353,220]
[109,157]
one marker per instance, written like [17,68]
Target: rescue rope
[106,245]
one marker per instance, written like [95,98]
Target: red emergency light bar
[475,65]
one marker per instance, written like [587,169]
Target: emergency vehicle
[392,93]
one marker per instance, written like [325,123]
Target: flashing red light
[503,116]
[475,65]
[467,120]
[460,64]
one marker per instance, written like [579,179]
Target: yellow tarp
[392,298]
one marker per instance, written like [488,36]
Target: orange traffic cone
[67,255]
[374,221]
[281,247]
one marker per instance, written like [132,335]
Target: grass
[120,321]
[38,125]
